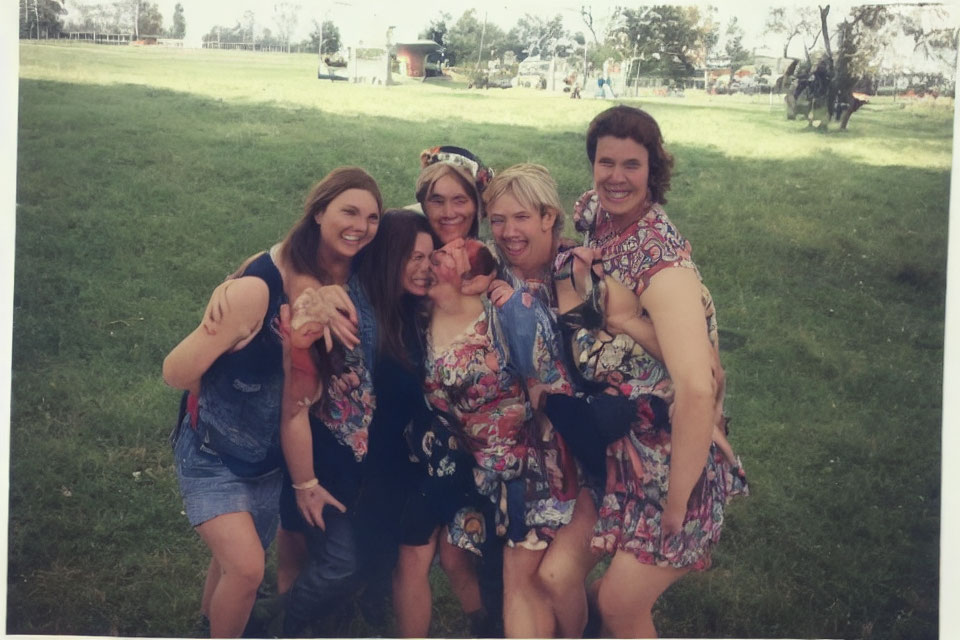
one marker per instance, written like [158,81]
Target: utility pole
[483,31]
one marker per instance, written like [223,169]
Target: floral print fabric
[349,399]
[638,464]
[519,465]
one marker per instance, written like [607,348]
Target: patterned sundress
[638,464]
[519,465]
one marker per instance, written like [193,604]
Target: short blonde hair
[532,186]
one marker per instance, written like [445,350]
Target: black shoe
[265,614]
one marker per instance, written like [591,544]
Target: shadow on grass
[134,202]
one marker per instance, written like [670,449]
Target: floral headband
[459,157]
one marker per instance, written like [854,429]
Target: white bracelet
[303,486]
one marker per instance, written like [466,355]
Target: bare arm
[188,361]
[622,311]
[301,387]
[673,301]
[219,305]
[624,315]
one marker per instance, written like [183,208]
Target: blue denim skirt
[210,489]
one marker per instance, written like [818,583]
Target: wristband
[303,486]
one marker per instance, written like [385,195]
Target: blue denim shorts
[210,489]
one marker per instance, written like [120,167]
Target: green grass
[144,176]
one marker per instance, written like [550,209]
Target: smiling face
[523,235]
[348,224]
[621,170]
[416,271]
[450,209]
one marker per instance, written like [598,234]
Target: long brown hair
[381,270]
[302,242]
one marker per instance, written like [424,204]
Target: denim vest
[241,393]
[367,321]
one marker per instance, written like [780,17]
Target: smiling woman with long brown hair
[228,451]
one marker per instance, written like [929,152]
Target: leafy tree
[586,14]
[41,17]
[795,22]
[285,16]
[219,33]
[667,40]
[936,43]
[268,39]
[859,38]
[179,29]
[331,37]
[539,35]
[512,41]
[734,49]
[149,19]
[850,61]
[92,17]
[249,22]
[463,39]
[126,16]
[437,29]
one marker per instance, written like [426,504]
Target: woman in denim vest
[227,448]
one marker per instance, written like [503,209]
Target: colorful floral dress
[638,464]
[535,337]
[519,465]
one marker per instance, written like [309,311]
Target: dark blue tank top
[241,393]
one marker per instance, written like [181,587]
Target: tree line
[673,41]
[45,19]
[276,30]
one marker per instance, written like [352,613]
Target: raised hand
[500,291]
[322,312]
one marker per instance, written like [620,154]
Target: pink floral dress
[638,464]
[519,465]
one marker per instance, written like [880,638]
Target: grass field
[144,176]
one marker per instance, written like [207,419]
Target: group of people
[395,390]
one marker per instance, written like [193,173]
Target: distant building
[412,57]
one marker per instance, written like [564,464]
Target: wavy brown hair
[381,270]
[623,122]
[302,242]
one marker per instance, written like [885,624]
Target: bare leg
[209,586]
[237,550]
[526,607]
[461,569]
[628,591]
[565,566]
[412,598]
[291,556]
